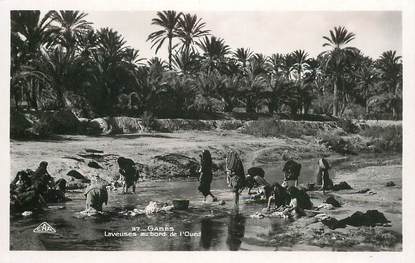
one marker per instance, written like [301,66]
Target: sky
[268,32]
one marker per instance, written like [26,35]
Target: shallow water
[210,225]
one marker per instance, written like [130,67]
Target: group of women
[34,189]
[285,194]
[31,190]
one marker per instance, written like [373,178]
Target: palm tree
[59,67]
[32,30]
[111,67]
[169,21]
[243,55]
[300,63]
[275,64]
[229,91]
[70,24]
[287,65]
[111,44]
[300,58]
[258,64]
[157,64]
[87,43]
[336,57]
[190,28]
[181,90]
[214,51]
[29,33]
[390,67]
[255,88]
[214,47]
[132,57]
[186,62]
[366,79]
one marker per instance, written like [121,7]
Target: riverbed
[205,225]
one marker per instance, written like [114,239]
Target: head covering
[323,164]
[206,160]
[232,159]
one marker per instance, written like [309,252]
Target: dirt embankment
[41,124]
[173,154]
[157,155]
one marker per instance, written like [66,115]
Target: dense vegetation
[58,60]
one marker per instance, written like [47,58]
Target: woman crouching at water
[300,201]
[205,178]
[235,175]
[256,179]
[96,195]
[279,196]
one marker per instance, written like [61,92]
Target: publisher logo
[44,228]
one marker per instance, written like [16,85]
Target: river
[204,226]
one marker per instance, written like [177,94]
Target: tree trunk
[228,105]
[35,95]
[61,99]
[170,40]
[249,105]
[335,99]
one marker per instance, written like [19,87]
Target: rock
[124,125]
[331,200]
[341,186]
[365,190]
[333,223]
[175,165]
[390,183]
[99,126]
[77,175]
[95,165]
[61,122]
[93,151]
[370,218]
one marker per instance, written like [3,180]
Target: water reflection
[236,231]
[210,233]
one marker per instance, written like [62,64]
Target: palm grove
[59,61]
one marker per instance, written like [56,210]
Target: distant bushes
[387,138]
[335,142]
[370,139]
[347,125]
[275,127]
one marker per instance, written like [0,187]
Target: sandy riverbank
[304,234]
